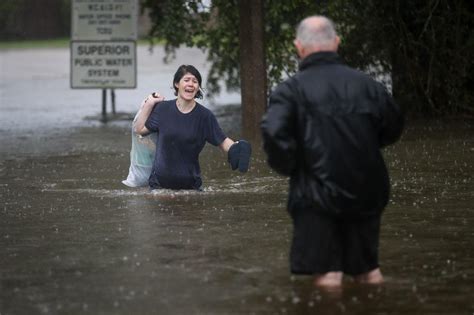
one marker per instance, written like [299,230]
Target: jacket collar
[319,58]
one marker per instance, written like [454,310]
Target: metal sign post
[103,46]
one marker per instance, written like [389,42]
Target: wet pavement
[74,240]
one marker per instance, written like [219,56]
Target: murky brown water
[73,239]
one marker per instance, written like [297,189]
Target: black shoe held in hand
[239,155]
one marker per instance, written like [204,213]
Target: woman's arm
[226,144]
[147,107]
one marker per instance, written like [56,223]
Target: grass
[52,43]
[32,44]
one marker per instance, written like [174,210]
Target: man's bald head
[316,33]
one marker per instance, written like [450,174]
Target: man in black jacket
[325,127]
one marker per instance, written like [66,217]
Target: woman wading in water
[183,127]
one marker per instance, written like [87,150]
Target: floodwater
[74,240]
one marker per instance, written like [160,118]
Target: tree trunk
[253,75]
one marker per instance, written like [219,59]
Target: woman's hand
[153,98]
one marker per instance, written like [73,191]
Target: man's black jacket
[324,127]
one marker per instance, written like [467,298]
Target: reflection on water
[74,239]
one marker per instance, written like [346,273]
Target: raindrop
[282,299]
[341,306]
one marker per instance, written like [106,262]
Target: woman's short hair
[182,70]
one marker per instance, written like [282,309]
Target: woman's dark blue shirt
[181,137]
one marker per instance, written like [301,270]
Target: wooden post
[104,105]
[112,97]
[253,74]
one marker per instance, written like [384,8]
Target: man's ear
[338,41]
[299,48]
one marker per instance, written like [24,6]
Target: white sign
[105,64]
[104,19]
